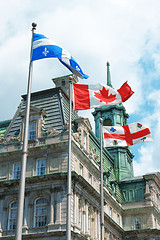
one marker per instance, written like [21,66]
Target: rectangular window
[137,223]
[16,171]
[118,119]
[32,131]
[118,219]
[131,196]
[125,195]
[41,167]
[110,212]
[81,170]
[123,160]
[90,178]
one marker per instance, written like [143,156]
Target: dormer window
[83,129]
[36,124]
[32,131]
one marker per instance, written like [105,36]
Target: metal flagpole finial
[71,78]
[34,25]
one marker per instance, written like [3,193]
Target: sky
[126,33]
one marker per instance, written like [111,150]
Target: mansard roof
[3,127]
[52,102]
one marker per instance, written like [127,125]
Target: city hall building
[131,204]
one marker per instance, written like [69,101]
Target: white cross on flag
[127,135]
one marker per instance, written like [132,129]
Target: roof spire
[108,75]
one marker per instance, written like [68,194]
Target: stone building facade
[131,204]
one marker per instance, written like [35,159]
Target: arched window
[107,122]
[12,216]
[40,212]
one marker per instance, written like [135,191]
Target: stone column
[87,142]
[86,223]
[75,208]
[92,224]
[147,193]
[5,221]
[58,207]
[52,208]
[95,224]
[52,211]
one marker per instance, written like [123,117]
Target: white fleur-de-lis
[45,52]
[77,68]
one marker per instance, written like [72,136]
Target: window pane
[41,167]
[32,131]
[16,171]
[12,216]
[41,212]
[81,170]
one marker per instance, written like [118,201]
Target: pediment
[34,111]
[85,122]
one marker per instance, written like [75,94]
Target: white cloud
[125,33]
[149,160]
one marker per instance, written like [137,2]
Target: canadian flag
[91,96]
[126,135]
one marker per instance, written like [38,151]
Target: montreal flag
[127,135]
[91,96]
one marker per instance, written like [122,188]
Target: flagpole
[69,193]
[101,188]
[18,234]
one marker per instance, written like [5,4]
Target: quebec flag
[45,48]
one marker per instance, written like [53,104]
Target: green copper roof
[3,127]
[108,76]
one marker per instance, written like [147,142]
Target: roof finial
[108,76]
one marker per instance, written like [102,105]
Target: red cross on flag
[96,95]
[127,135]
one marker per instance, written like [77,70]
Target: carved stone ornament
[11,139]
[76,136]
[52,132]
[93,154]
[66,126]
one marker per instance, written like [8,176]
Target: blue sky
[125,33]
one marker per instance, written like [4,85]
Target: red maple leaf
[104,96]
